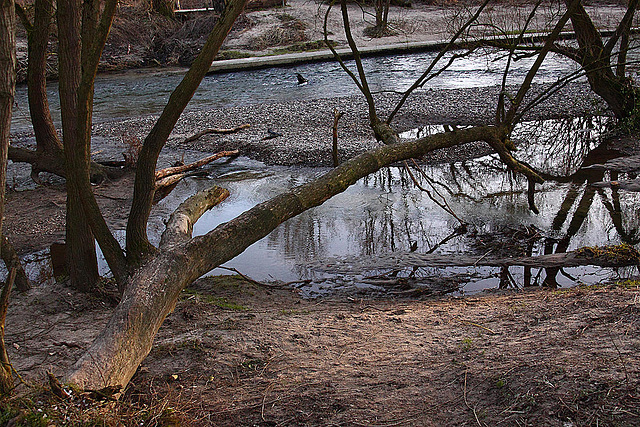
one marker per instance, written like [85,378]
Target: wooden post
[336,117]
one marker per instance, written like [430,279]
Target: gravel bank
[306,126]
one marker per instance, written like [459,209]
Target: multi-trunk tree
[151,292]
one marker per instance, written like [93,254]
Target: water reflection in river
[384,213]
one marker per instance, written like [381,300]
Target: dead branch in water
[606,256]
[162,173]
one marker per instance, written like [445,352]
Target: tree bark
[617,91]
[7,94]
[11,259]
[6,371]
[164,7]
[138,244]
[334,148]
[81,44]
[38,38]
[162,173]
[81,254]
[153,291]
[609,256]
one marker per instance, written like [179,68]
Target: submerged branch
[609,256]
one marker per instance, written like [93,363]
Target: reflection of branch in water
[406,179]
[575,224]
[565,207]
[443,204]
[615,212]
[457,178]
[568,276]
[506,279]
[459,231]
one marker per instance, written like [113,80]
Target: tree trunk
[138,244]
[153,291]
[11,259]
[617,91]
[81,44]
[46,136]
[49,156]
[164,7]
[607,256]
[81,254]
[6,371]
[7,94]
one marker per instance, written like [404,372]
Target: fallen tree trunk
[53,163]
[632,185]
[608,256]
[151,294]
[628,164]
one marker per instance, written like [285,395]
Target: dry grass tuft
[290,31]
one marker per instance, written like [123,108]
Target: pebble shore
[306,126]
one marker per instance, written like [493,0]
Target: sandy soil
[237,354]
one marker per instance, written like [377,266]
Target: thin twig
[481,258]
[479,326]
[464,395]
[249,279]
[217,131]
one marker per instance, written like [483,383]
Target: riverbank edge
[325,55]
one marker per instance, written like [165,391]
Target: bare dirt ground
[237,354]
[423,21]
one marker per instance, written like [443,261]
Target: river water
[385,213]
[145,92]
